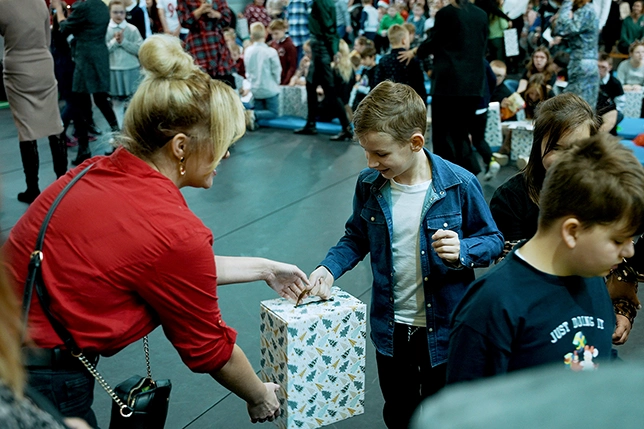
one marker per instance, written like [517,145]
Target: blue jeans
[267,108]
[71,392]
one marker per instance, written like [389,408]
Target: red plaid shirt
[205,42]
[255,13]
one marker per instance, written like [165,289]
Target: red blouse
[123,254]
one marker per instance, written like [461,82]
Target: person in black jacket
[324,47]
[458,41]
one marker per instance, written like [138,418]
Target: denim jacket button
[372,218]
[422,252]
[391,323]
[429,306]
[426,278]
[445,225]
[430,330]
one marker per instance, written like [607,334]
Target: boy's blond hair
[257,32]
[599,182]
[278,24]
[411,29]
[397,34]
[393,109]
[498,64]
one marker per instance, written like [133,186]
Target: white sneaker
[522,162]
[501,158]
[493,170]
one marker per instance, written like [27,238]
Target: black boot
[30,165]
[58,148]
[83,151]
[309,129]
[345,135]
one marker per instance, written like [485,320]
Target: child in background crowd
[299,78]
[236,54]
[590,209]
[390,68]
[123,42]
[392,17]
[285,49]
[167,11]
[418,20]
[256,12]
[263,70]
[426,226]
[344,76]
[369,20]
[366,79]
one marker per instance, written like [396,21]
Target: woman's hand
[268,409]
[76,423]
[406,56]
[286,279]
[321,281]
[622,329]
[447,245]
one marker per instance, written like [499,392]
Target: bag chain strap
[105,385]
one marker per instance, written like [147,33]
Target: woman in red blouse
[124,254]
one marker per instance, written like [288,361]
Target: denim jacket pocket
[453,221]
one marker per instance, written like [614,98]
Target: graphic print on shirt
[581,359]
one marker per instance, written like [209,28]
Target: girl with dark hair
[540,62]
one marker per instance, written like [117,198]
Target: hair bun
[163,57]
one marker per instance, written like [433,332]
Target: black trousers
[320,73]
[408,377]
[478,138]
[452,119]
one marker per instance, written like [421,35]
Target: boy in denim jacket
[427,226]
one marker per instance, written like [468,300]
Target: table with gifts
[316,353]
[292,101]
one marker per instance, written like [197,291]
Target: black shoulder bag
[139,402]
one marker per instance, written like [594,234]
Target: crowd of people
[179,81]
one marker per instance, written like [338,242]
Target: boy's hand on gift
[287,280]
[268,409]
[447,245]
[321,281]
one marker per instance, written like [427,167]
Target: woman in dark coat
[458,41]
[88,23]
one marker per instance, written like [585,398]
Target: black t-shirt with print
[517,317]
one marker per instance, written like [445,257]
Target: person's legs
[407,377]
[80,124]
[71,392]
[58,148]
[477,131]
[104,104]
[30,165]
[266,108]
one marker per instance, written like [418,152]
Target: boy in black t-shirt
[610,100]
[547,302]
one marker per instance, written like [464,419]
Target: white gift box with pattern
[316,353]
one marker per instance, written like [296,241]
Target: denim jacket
[454,201]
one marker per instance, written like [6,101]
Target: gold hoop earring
[182,169]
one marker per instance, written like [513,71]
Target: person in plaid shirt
[256,12]
[298,24]
[206,42]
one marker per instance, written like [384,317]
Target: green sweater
[322,24]
[387,21]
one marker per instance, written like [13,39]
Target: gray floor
[279,196]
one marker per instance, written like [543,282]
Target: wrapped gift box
[521,138]
[292,101]
[633,104]
[493,133]
[316,353]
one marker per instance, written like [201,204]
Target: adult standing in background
[576,22]
[31,87]
[205,41]
[458,41]
[135,15]
[88,24]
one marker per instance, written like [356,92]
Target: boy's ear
[417,142]
[570,229]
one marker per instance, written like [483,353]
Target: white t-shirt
[409,297]
[171,17]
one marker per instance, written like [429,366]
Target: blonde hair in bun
[175,97]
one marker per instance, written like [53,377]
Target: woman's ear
[570,229]
[178,145]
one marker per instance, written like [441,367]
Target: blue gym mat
[630,128]
[638,151]
[294,122]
